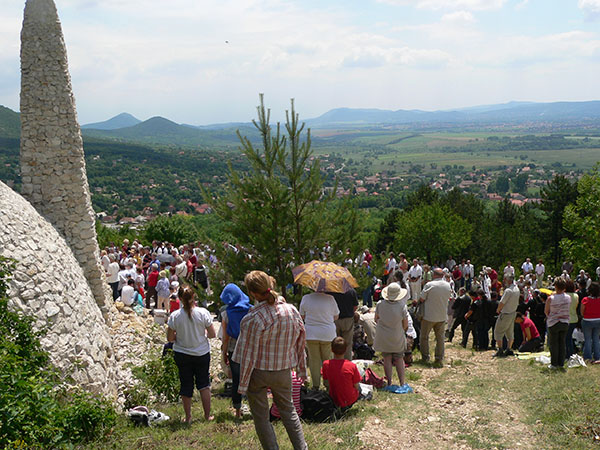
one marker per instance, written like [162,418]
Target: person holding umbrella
[319,312]
[322,276]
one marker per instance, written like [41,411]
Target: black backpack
[317,406]
[364,351]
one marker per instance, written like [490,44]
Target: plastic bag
[543,359]
[576,361]
[365,391]
[395,389]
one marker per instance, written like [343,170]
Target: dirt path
[462,405]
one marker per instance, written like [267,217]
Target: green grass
[474,401]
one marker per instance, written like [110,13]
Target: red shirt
[342,376]
[153,278]
[174,305]
[592,308]
[527,323]
[493,275]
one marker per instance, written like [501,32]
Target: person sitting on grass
[531,337]
[296,393]
[341,376]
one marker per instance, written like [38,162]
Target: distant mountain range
[161,131]
[508,113]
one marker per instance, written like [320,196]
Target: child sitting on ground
[296,387]
[341,376]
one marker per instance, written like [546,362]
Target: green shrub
[34,410]
[86,417]
[137,395]
[160,375]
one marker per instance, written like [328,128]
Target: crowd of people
[269,346]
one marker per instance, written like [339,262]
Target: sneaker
[551,367]
[499,354]
[509,352]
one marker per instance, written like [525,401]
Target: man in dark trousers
[344,326]
[461,307]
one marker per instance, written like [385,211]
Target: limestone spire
[53,172]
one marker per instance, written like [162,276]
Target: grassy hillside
[10,123]
[474,401]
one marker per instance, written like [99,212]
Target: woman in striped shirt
[271,342]
[557,318]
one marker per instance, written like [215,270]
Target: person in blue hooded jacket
[238,305]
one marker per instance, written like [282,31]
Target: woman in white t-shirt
[319,311]
[189,329]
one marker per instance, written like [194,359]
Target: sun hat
[364,309]
[393,292]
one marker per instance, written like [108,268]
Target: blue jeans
[591,333]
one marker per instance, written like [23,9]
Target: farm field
[386,149]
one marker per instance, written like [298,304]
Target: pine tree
[278,209]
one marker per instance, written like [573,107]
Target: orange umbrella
[324,276]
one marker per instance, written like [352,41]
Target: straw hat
[393,292]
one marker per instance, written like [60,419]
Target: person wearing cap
[163,289]
[435,297]
[390,337]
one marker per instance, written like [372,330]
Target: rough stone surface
[52,160]
[49,284]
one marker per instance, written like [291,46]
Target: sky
[206,61]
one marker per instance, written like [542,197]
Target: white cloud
[435,5]
[522,4]
[152,57]
[590,7]
[459,17]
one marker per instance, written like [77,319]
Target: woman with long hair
[189,329]
[271,343]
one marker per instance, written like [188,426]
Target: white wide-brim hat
[393,292]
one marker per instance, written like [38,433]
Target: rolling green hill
[120,121]
[161,131]
[10,123]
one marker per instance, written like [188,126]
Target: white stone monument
[53,172]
